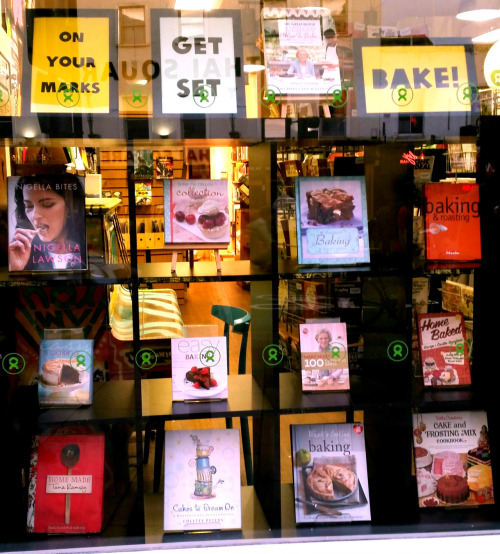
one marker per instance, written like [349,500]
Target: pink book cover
[444,350]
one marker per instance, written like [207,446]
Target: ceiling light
[189,5]
[253,67]
[479,15]
[487,38]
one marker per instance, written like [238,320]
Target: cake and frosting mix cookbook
[444,349]
[452,459]
[196,212]
[330,477]
[65,493]
[66,371]
[47,223]
[332,223]
[324,356]
[199,368]
[202,480]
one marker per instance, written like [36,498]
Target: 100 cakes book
[452,459]
[202,480]
[47,223]
[330,477]
[66,372]
[65,493]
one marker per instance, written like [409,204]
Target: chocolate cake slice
[200,375]
[329,205]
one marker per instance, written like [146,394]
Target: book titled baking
[452,459]
[66,371]
[452,222]
[199,368]
[66,484]
[444,349]
[324,356]
[330,477]
[332,224]
[202,480]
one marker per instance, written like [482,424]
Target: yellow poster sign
[417,79]
[70,66]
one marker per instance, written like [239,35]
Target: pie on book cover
[332,222]
[196,211]
[444,349]
[65,492]
[202,480]
[47,223]
[66,372]
[330,476]
[452,222]
[199,369]
[324,357]
[452,459]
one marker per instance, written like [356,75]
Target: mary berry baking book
[444,350]
[330,477]
[452,459]
[196,212]
[202,480]
[199,369]
[66,484]
[332,223]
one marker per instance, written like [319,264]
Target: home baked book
[452,459]
[324,356]
[452,222]
[66,372]
[47,223]
[196,212]
[330,479]
[202,480]
[65,493]
[332,223]
[199,368]
[444,349]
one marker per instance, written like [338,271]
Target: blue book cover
[66,372]
[332,222]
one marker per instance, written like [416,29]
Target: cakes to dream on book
[329,205]
[201,377]
[324,479]
[60,372]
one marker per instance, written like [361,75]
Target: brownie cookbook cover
[332,224]
[452,459]
[66,484]
[330,479]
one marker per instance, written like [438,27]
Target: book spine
[32,485]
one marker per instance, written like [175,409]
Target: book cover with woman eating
[47,223]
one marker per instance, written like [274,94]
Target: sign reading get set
[415,79]
[70,66]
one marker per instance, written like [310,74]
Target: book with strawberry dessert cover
[452,222]
[196,212]
[444,349]
[199,369]
[330,478]
[452,459]
[65,493]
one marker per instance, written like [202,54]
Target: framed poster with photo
[332,222]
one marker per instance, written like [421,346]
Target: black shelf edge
[290,269]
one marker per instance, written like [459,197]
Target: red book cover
[452,224]
[444,350]
[66,484]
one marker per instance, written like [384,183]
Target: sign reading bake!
[70,67]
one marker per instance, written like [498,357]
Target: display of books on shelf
[444,349]
[420,295]
[458,297]
[332,224]
[452,459]
[330,477]
[47,223]
[143,164]
[324,356]
[452,222]
[202,480]
[65,493]
[164,167]
[199,368]
[143,193]
[196,212]
[66,372]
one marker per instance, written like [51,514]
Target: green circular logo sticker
[335,352]
[336,96]
[397,351]
[4,97]
[80,361]
[467,93]
[272,354]
[146,358]
[13,363]
[270,95]
[402,95]
[210,356]
[136,96]
[68,97]
[204,96]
